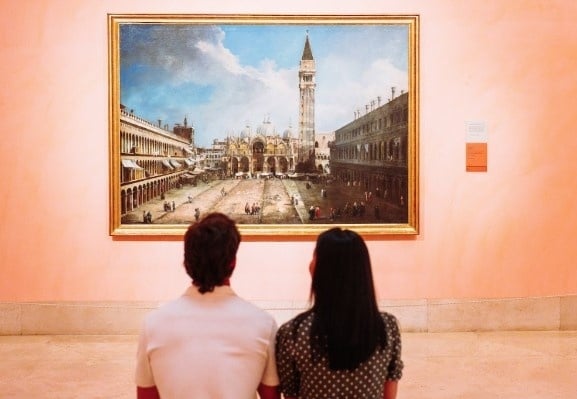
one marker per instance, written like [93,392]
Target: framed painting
[289,124]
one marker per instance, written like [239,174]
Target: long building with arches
[153,159]
[372,149]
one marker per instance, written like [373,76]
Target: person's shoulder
[389,319]
[249,305]
[167,306]
[162,311]
[296,322]
[250,309]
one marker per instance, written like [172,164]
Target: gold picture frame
[290,124]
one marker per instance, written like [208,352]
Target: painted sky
[226,77]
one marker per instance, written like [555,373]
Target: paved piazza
[280,201]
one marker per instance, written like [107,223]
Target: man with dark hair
[209,343]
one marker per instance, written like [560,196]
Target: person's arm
[390,391]
[147,393]
[396,365]
[268,392]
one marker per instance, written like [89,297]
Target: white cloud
[191,73]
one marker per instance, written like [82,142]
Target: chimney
[379,101]
[160,123]
[393,93]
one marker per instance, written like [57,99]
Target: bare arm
[268,392]
[390,391]
[147,393]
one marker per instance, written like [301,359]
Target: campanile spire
[307,85]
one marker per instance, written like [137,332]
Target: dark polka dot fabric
[304,378]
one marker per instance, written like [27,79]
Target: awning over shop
[175,163]
[167,164]
[189,162]
[129,163]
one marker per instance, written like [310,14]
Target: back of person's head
[210,247]
[343,269]
[347,321]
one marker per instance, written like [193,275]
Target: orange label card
[476,157]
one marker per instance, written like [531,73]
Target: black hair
[347,326]
[210,247]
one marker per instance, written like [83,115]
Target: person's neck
[224,282]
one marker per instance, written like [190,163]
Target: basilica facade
[261,151]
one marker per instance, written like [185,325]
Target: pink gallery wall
[509,232]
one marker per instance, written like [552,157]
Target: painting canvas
[288,124]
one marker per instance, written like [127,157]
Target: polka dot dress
[303,378]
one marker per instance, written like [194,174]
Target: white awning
[129,163]
[175,163]
[167,164]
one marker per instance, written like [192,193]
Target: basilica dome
[266,129]
[288,134]
[245,133]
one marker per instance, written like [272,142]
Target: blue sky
[225,77]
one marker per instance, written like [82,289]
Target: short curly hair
[210,247]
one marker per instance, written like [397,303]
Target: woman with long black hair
[343,347]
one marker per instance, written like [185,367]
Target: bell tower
[307,70]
